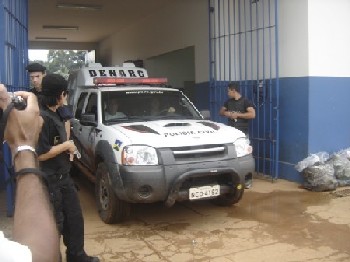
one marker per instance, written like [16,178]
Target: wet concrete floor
[273,222]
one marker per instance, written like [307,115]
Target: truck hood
[174,133]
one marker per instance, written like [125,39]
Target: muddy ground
[274,222]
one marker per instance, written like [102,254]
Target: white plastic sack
[320,178]
[341,165]
[320,157]
[344,153]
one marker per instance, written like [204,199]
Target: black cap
[35,67]
[53,84]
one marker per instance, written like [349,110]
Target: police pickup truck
[143,142]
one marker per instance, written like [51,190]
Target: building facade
[291,57]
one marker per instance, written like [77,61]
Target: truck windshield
[143,105]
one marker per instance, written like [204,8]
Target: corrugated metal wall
[244,48]
[13,57]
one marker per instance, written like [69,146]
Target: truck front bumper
[171,183]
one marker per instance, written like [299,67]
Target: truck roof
[86,75]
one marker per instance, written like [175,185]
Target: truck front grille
[219,179]
[198,152]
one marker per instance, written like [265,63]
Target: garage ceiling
[84,21]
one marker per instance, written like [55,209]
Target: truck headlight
[243,147]
[139,156]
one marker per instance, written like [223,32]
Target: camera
[18,101]
[20,104]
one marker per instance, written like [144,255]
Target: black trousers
[69,217]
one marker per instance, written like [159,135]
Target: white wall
[179,25]
[329,37]
[293,38]
[314,38]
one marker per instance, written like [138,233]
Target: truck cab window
[80,105]
[91,106]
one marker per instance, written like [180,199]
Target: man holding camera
[34,239]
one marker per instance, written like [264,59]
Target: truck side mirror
[88,119]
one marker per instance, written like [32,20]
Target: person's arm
[224,112]
[34,222]
[66,114]
[67,127]
[250,114]
[67,146]
[46,151]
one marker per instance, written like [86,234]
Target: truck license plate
[204,191]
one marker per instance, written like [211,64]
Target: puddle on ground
[286,219]
[275,207]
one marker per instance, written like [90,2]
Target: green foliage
[64,61]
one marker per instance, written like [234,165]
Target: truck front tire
[110,208]
[228,199]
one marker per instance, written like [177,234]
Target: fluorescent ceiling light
[79,7]
[61,27]
[50,38]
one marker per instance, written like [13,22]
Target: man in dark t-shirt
[238,110]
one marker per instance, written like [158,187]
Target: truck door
[85,136]
[75,125]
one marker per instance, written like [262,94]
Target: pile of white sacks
[324,172]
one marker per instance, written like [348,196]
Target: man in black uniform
[238,110]
[36,74]
[55,155]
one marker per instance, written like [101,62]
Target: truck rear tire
[110,208]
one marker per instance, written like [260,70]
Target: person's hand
[234,115]
[23,127]
[71,148]
[229,114]
[4,97]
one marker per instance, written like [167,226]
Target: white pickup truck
[157,147]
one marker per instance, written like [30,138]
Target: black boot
[83,257]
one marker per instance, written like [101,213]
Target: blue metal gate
[13,57]
[14,43]
[244,48]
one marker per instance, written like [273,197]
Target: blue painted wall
[314,117]
[294,125]
[329,122]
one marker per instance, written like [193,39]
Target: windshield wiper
[115,120]
[173,117]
